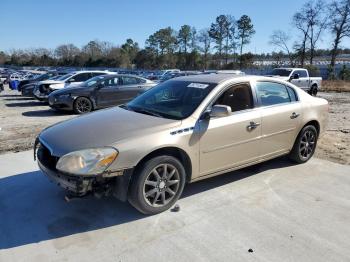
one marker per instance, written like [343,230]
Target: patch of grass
[335,86]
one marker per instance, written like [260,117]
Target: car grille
[45,157]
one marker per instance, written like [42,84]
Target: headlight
[87,162]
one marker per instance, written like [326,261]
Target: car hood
[102,128]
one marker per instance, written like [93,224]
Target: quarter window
[271,93]
[238,97]
[292,95]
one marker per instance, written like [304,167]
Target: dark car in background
[27,88]
[37,79]
[99,92]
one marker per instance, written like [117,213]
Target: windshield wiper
[145,111]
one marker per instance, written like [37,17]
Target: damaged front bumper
[110,183]
[76,185]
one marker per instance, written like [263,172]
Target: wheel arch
[87,97]
[314,123]
[176,152]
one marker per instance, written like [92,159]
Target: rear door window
[270,93]
[110,82]
[128,80]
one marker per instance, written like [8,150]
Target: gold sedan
[182,130]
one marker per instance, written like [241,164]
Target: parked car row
[99,92]
[85,91]
[27,86]
[44,88]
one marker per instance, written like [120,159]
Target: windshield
[281,72]
[93,81]
[64,77]
[43,77]
[171,99]
[55,77]
[167,76]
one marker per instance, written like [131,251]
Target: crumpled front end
[76,185]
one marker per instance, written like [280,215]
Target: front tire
[82,105]
[305,145]
[157,185]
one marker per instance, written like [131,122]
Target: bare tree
[281,39]
[339,25]
[66,53]
[317,21]
[301,23]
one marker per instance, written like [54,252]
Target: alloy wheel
[307,144]
[83,106]
[161,185]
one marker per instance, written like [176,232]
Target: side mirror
[71,80]
[220,111]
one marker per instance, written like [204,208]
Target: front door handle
[294,115]
[252,125]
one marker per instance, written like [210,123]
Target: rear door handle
[252,125]
[294,115]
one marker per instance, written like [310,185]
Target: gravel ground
[21,119]
[335,143]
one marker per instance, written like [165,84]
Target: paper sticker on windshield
[198,85]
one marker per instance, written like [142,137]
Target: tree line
[313,19]
[187,49]
[221,45]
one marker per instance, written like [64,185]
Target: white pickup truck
[299,77]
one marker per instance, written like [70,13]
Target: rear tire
[82,105]
[305,145]
[157,185]
[313,90]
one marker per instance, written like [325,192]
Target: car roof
[91,71]
[207,78]
[291,68]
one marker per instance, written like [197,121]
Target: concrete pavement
[283,212]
